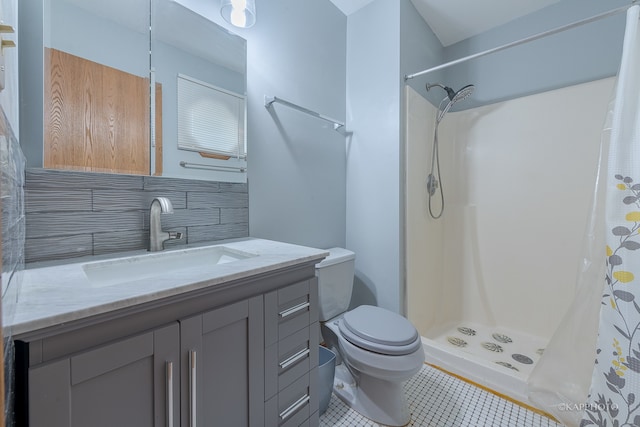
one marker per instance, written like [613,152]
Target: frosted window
[210,119]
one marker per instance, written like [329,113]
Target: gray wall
[373,152]
[386,40]
[296,163]
[579,55]
[419,49]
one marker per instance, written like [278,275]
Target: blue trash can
[326,371]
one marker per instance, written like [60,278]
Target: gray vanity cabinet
[240,353]
[222,379]
[128,382]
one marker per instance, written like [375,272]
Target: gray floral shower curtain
[614,395]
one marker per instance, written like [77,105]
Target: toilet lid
[380,330]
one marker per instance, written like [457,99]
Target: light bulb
[240,13]
[238,18]
[239,4]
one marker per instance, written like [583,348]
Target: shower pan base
[496,358]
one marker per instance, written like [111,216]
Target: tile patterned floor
[440,400]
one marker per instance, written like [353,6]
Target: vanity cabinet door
[222,366]
[131,382]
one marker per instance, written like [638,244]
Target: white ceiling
[456,20]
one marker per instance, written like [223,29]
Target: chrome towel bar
[213,167]
[269,100]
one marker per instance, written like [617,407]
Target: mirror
[96,80]
[201,68]
[100,62]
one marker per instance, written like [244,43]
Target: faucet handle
[175,235]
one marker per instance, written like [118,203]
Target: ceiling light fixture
[239,13]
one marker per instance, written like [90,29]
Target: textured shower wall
[518,178]
[423,236]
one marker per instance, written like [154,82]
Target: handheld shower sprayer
[452,96]
[434,181]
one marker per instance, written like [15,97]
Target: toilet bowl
[378,349]
[374,367]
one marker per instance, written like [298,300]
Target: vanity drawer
[290,358]
[294,404]
[290,309]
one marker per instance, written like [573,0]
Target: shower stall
[489,281]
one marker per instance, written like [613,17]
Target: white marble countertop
[56,294]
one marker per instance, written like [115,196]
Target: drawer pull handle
[294,359]
[294,407]
[294,309]
[193,373]
[169,402]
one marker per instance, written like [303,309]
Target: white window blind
[210,119]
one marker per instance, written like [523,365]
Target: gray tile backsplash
[72,214]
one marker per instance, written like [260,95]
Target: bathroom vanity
[231,340]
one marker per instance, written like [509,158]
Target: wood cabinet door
[131,382]
[222,369]
[96,118]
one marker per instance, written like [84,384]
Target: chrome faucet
[157,237]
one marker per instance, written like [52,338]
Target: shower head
[463,93]
[454,96]
[451,98]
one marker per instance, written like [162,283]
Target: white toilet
[379,349]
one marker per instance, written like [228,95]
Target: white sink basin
[147,266]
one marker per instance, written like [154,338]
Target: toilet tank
[335,282]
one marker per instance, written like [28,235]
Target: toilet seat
[379,330]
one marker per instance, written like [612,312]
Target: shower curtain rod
[522,41]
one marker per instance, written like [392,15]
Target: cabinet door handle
[294,407]
[294,309]
[294,359]
[192,387]
[169,400]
